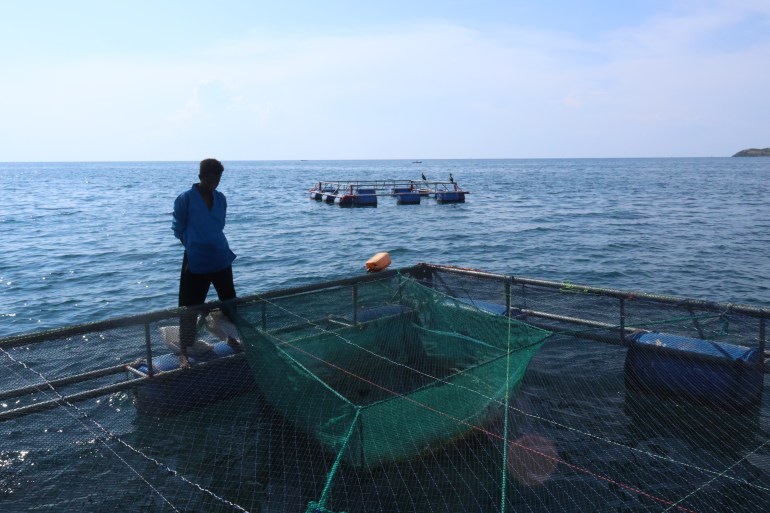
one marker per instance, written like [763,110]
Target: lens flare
[532,459]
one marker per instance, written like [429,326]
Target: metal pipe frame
[423,272]
[750,311]
[107,389]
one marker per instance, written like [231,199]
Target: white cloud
[432,89]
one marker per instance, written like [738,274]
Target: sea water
[89,241]
[82,242]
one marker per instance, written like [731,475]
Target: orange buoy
[378,262]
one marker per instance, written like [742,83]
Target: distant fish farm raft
[364,193]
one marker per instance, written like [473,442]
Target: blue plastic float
[357,198]
[194,387]
[406,196]
[450,197]
[365,198]
[716,373]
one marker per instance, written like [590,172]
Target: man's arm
[179,221]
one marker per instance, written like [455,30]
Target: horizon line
[412,160]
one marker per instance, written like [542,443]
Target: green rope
[307,371]
[320,506]
[505,412]
[453,334]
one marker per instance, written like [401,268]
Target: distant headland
[753,152]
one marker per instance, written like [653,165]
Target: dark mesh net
[433,389]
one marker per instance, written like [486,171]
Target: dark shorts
[193,288]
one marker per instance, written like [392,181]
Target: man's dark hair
[211,166]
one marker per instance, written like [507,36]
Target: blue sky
[264,80]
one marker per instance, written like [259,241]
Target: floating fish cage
[396,391]
[364,193]
[358,367]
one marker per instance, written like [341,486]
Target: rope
[298,364]
[320,506]
[85,415]
[111,436]
[453,334]
[513,408]
[505,421]
[333,475]
[721,474]
[648,454]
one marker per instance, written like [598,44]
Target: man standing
[199,222]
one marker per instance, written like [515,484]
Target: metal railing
[426,273]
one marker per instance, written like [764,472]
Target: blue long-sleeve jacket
[202,231]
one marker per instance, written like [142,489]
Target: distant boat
[417,162]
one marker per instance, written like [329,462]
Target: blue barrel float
[450,197]
[195,387]
[366,198]
[406,196]
[705,371]
[358,198]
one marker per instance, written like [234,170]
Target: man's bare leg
[183,361]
